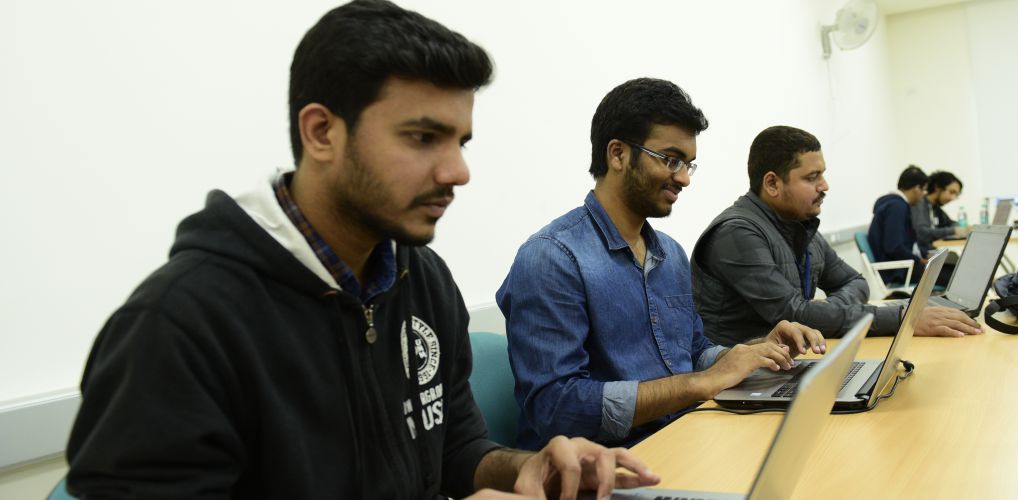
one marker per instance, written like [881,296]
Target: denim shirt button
[653,319]
[668,364]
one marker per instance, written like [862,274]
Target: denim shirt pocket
[680,320]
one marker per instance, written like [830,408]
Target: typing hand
[566,466]
[799,337]
[936,321]
[735,364]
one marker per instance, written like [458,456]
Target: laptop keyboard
[789,388]
[946,302]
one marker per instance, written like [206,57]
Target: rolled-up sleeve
[617,410]
[708,357]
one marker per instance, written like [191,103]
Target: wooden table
[950,431]
[960,243]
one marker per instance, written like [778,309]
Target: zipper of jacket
[398,453]
[370,335]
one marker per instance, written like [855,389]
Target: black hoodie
[891,235]
[234,371]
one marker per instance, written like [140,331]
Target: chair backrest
[863,243]
[878,290]
[60,492]
[492,383]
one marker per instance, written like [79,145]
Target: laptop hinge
[867,387]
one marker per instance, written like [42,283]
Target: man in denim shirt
[604,340]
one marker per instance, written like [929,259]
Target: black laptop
[974,271]
[866,379]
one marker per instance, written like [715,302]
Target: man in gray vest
[761,261]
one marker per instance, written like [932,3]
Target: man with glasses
[929,219]
[603,337]
[930,222]
[762,260]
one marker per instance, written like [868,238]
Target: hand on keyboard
[800,338]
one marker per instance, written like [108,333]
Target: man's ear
[772,184]
[322,133]
[617,155]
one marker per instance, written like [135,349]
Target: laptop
[797,435]
[1002,217]
[865,379]
[975,268]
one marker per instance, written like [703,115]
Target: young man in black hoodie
[301,342]
[891,234]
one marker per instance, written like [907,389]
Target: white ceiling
[890,7]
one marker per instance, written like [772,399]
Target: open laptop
[1002,217]
[866,378]
[975,268]
[797,434]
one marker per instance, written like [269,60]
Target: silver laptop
[1002,217]
[797,434]
[866,378]
[974,270]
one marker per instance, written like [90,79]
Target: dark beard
[363,191]
[637,191]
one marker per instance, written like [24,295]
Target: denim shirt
[586,323]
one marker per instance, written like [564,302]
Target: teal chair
[60,492]
[871,271]
[862,242]
[492,384]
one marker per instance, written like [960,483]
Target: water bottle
[984,212]
[963,219]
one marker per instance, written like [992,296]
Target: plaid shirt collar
[381,265]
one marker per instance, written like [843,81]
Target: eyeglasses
[672,163]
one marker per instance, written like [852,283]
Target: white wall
[118,116]
[993,48]
[955,71]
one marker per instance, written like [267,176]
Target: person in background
[931,222]
[929,219]
[891,233]
[604,341]
[302,342]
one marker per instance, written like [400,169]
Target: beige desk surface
[961,243]
[950,431]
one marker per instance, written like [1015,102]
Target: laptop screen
[1003,212]
[975,267]
[904,336]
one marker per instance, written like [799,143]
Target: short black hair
[911,177]
[629,110]
[777,149]
[343,60]
[940,180]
